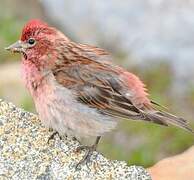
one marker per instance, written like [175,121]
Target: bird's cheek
[31,53]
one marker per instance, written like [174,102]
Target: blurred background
[153,39]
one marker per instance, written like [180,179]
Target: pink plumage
[31,27]
[140,95]
[76,88]
[80,69]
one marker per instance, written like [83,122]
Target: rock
[25,153]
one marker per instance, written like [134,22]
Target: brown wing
[101,90]
[93,52]
[102,86]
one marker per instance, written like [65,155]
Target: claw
[52,136]
[87,156]
[75,139]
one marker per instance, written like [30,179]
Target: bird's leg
[53,135]
[89,152]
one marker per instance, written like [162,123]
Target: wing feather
[108,88]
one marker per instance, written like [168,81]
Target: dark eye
[31,41]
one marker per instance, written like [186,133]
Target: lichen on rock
[25,153]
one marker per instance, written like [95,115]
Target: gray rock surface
[25,153]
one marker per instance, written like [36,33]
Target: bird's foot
[86,158]
[52,136]
[90,150]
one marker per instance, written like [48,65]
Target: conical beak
[16,47]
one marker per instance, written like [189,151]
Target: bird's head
[37,40]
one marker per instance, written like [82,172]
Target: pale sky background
[146,30]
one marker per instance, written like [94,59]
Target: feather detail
[95,82]
[166,119]
[111,90]
[78,90]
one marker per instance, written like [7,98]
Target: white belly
[59,110]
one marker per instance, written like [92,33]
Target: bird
[78,91]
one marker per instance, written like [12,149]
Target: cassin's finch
[75,89]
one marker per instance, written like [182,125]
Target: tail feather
[164,118]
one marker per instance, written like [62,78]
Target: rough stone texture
[25,154]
